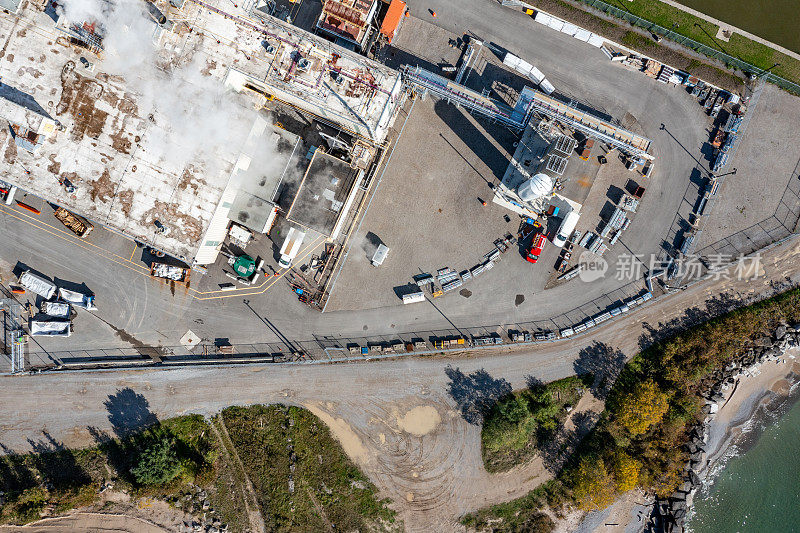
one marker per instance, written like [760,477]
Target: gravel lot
[766,160]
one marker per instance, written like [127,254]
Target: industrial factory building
[84,139]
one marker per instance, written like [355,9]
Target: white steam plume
[197,117]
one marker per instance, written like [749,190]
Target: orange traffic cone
[483,203]
[433,13]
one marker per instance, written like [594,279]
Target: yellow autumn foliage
[642,408]
[593,486]
[626,471]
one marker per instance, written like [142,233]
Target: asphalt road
[364,403]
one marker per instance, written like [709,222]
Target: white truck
[291,247]
[77,299]
[566,229]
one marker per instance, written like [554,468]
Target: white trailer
[414,297]
[37,285]
[78,299]
[50,328]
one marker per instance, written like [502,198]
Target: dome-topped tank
[536,187]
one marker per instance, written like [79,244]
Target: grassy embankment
[688,25]
[275,444]
[639,438]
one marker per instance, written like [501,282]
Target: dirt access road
[397,419]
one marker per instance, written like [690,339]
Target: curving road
[396,418]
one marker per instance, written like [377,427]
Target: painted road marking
[144,271]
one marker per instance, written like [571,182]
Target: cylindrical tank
[536,187]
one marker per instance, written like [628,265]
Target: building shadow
[473,138]
[475,393]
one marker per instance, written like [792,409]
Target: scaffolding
[13,335]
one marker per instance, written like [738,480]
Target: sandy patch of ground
[94,522]
[420,420]
[348,438]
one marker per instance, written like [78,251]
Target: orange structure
[393,18]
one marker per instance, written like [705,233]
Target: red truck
[536,247]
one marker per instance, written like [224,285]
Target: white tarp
[582,35]
[77,299]
[524,67]
[595,40]
[542,18]
[569,29]
[413,297]
[31,282]
[546,86]
[54,328]
[511,60]
[56,309]
[556,24]
[536,75]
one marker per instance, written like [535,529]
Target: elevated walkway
[528,102]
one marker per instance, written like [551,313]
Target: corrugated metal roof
[392,19]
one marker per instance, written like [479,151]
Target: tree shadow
[15,476]
[601,361]
[57,464]
[475,393]
[128,412]
[560,449]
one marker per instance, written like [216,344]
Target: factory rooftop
[83,139]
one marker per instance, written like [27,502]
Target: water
[758,491]
[774,20]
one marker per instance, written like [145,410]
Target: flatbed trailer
[169,272]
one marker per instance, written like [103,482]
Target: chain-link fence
[322,348]
[780,224]
[729,61]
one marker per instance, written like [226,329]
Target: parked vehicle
[536,248]
[566,229]
[291,247]
[78,225]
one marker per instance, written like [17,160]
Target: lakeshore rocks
[673,511]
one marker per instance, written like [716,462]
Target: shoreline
[757,398]
[757,401]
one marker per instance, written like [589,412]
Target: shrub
[159,463]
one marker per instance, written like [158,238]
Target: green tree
[592,485]
[626,471]
[641,409]
[514,409]
[158,463]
